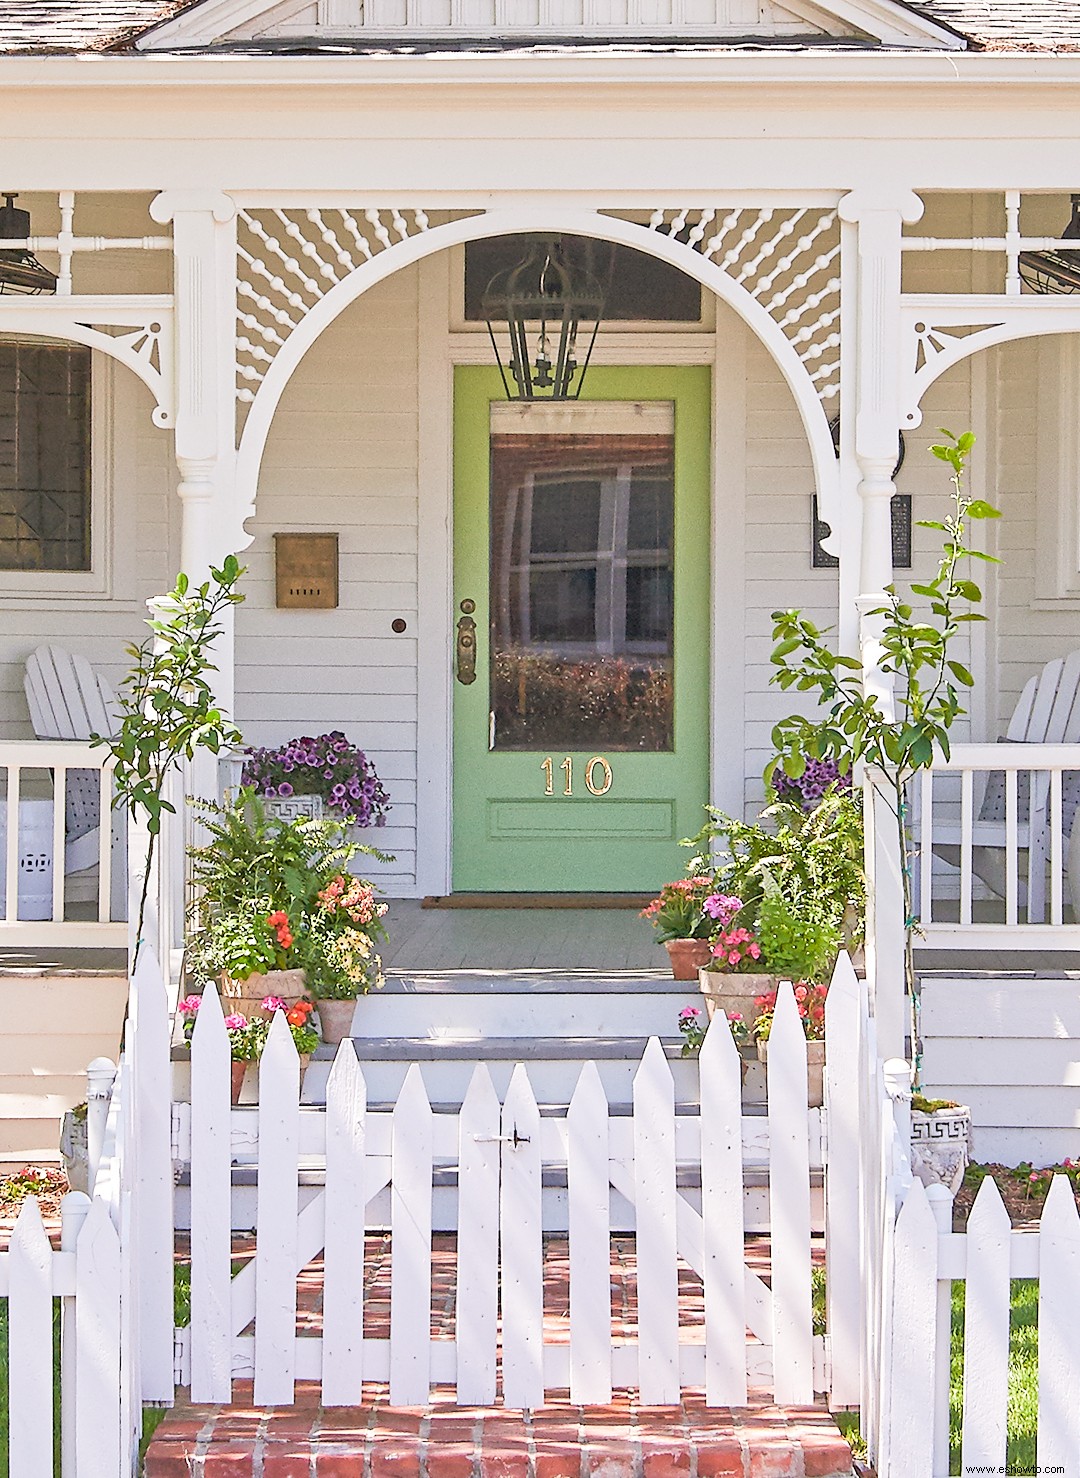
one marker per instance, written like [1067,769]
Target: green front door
[581,588]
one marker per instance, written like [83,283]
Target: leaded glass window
[44,456]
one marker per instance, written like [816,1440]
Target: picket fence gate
[501,1152]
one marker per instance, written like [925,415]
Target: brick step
[623,1440]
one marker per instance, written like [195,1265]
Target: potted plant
[340,951]
[247,1035]
[787,885]
[681,923]
[810,1000]
[940,1140]
[734,976]
[260,924]
[328,769]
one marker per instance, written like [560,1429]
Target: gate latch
[515,1139]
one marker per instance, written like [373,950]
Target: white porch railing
[997,820]
[62,848]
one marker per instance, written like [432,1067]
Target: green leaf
[965,441]
[929,523]
[962,675]
[968,589]
[979,508]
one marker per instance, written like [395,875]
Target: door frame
[440,351]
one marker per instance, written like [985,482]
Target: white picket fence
[928,1258]
[501,1152]
[113,1273]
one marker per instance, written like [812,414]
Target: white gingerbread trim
[144,341]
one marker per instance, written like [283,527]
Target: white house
[260,282]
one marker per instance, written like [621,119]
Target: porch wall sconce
[546,305]
[1055,271]
[20,270]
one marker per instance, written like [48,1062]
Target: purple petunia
[329,766]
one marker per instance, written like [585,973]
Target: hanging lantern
[20,270]
[547,307]
[1055,271]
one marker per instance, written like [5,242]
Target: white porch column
[874,387]
[204,284]
[875,380]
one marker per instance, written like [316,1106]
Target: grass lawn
[1023,1412]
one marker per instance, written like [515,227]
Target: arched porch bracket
[135,331]
[653,240]
[940,332]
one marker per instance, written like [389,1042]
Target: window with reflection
[582,576]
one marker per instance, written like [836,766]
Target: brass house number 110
[598,775]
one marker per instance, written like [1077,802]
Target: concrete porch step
[537,1003]
[624,1440]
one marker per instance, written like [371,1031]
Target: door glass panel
[581,579]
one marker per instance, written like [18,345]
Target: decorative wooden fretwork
[788,260]
[287,260]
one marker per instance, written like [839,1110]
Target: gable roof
[44,27]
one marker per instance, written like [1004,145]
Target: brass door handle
[466,650]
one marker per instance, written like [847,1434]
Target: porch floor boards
[375,1440]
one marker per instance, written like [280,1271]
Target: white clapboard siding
[410,1228]
[275,1252]
[346,1216]
[590,1242]
[789,1197]
[477,1306]
[722,1217]
[522,1247]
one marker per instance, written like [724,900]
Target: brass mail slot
[306,567]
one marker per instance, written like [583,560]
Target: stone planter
[734,994]
[687,956]
[75,1150]
[336,1019]
[246,996]
[815,1070]
[294,807]
[941,1146]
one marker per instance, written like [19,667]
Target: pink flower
[1034,1175]
[189,1005]
[273,1003]
[688,1013]
[235,1022]
[735,1016]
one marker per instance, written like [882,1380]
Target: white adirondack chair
[1047,712]
[67,699]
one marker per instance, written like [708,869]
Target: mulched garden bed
[1023,1189]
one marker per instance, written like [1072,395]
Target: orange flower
[295,1017]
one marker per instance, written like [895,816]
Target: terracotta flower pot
[239,1069]
[336,1019]
[687,956]
[734,994]
[815,1070]
[247,996]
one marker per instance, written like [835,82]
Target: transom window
[638,288]
[44,457]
